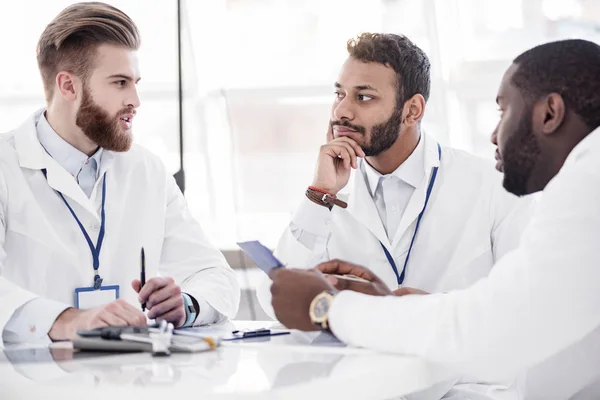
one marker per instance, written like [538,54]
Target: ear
[67,85]
[553,109]
[413,110]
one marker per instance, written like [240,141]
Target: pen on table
[143,275]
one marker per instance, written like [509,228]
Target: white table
[296,366]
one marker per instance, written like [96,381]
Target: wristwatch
[191,310]
[319,309]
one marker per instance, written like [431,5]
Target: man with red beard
[78,201]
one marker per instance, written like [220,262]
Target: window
[258,80]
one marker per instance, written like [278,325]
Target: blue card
[261,255]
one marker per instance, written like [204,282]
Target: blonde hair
[70,41]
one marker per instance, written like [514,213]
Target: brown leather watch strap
[324,199]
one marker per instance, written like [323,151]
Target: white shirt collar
[582,147]
[66,155]
[410,171]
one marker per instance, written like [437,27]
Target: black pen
[143,275]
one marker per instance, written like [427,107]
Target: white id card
[87,297]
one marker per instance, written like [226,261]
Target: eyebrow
[122,76]
[359,87]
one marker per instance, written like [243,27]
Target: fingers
[332,279]
[120,313]
[133,315]
[112,319]
[163,294]
[357,149]
[135,284]
[362,287]
[274,272]
[345,268]
[330,137]
[152,286]
[160,309]
[93,324]
[346,149]
[342,152]
[407,290]
[176,316]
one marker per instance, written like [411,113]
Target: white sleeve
[303,245]
[32,321]
[195,264]
[309,226]
[207,314]
[538,300]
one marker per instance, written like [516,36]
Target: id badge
[87,297]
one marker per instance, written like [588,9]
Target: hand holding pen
[160,295]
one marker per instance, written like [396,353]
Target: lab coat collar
[417,200]
[29,150]
[64,153]
[362,207]
[590,141]
[32,155]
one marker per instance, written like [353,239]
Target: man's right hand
[375,286]
[336,159]
[116,313]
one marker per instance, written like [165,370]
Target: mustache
[125,111]
[345,123]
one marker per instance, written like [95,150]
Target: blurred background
[257,79]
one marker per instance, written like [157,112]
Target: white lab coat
[539,305]
[44,254]
[470,222]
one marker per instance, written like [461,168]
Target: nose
[343,109]
[133,101]
[494,138]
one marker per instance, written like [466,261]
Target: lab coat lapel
[362,207]
[417,200]
[33,156]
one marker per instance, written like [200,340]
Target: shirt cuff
[32,321]
[312,218]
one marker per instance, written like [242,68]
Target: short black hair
[570,68]
[410,63]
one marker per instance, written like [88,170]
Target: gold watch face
[320,307]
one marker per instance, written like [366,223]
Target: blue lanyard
[95,250]
[400,277]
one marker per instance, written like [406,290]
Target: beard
[102,128]
[520,154]
[383,135]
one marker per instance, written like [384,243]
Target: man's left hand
[292,292]
[163,300]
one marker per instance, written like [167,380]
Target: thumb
[407,290]
[135,284]
[347,284]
